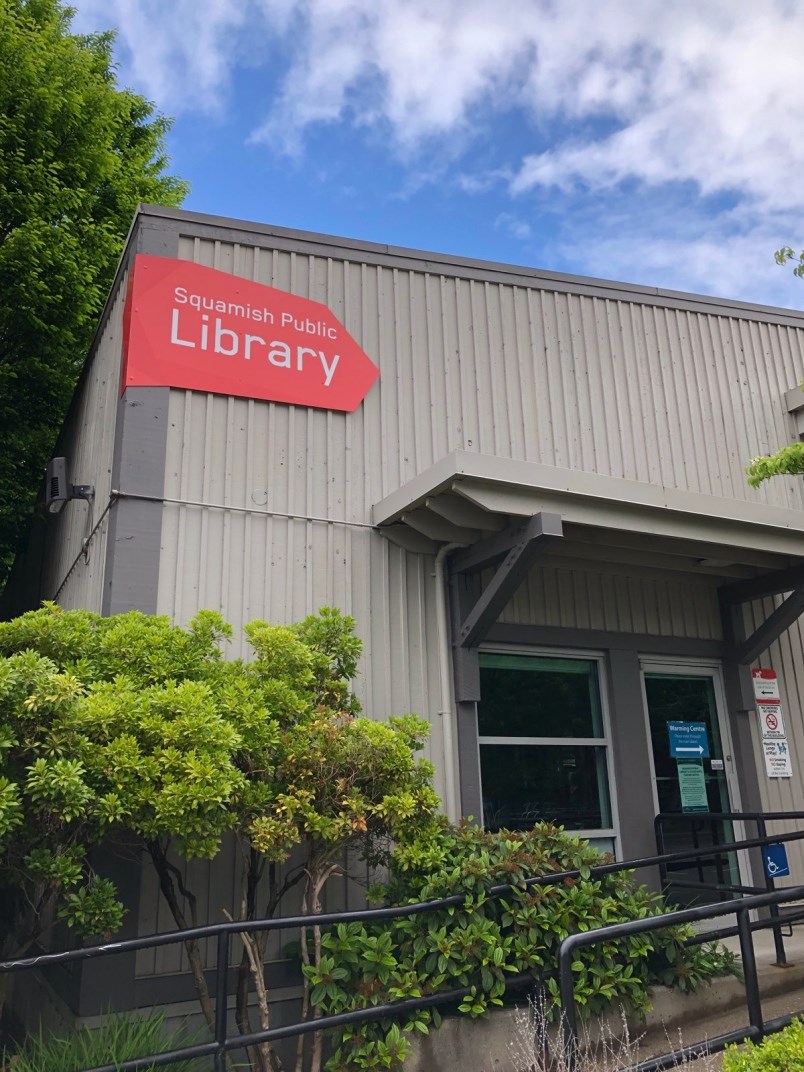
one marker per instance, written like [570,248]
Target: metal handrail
[222,1044]
[761,819]
[756,1027]
[211,930]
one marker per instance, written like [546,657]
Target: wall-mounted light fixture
[58,490]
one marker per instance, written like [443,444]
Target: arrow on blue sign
[688,739]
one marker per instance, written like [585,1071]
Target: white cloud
[690,91]
[595,98]
[179,54]
[515,226]
[713,261]
[715,104]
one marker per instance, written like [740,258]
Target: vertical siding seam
[525,377]
[538,351]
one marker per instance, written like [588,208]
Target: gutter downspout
[446,712]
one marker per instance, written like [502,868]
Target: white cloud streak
[691,91]
[179,54]
[605,94]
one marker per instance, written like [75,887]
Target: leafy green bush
[131,730]
[479,944]
[117,1039]
[777,1053]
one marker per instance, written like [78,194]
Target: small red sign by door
[189,326]
[766,684]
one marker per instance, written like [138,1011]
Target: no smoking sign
[771,722]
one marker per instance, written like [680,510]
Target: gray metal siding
[660,394]
[663,395]
[785,656]
[73,574]
[270,511]
[593,597]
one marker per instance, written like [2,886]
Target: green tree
[109,729]
[789,461]
[77,154]
[131,730]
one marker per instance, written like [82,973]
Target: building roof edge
[454,264]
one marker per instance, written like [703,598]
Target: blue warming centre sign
[775,859]
[688,740]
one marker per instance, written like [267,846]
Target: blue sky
[653,142]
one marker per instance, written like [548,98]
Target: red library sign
[189,326]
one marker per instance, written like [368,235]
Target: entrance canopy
[513,512]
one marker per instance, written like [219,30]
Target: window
[543,745]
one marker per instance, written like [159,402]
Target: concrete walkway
[722,1007]
[677,1019]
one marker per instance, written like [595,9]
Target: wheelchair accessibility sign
[775,859]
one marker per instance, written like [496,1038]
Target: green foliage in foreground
[130,727]
[130,730]
[77,154]
[789,461]
[117,1039]
[777,1053]
[484,941]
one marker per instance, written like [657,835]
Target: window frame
[612,832]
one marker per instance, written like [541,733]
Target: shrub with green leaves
[108,727]
[783,1052]
[131,730]
[484,941]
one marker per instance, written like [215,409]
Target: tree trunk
[305,958]
[255,946]
[27,930]
[267,1052]
[249,878]
[166,873]
[318,874]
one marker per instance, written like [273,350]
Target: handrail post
[750,971]
[658,826]
[696,844]
[221,1010]
[773,910]
[569,1020]
[718,860]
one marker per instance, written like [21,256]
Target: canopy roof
[467,497]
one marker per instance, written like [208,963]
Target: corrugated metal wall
[584,597]
[74,574]
[273,513]
[253,564]
[657,393]
[664,395]
[786,657]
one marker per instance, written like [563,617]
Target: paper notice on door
[692,783]
[777,759]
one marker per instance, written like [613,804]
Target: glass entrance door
[690,782]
